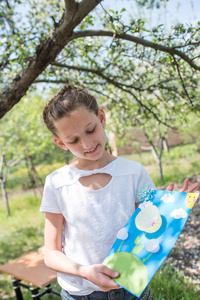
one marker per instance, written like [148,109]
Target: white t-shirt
[92,217]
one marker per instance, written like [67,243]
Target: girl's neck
[84,164]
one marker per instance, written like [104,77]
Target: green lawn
[20,233]
[180,162]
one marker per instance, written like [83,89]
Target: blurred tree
[26,141]
[4,165]
[191,130]
[156,137]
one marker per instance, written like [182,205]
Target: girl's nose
[86,142]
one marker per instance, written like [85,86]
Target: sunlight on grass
[23,230]
[180,162]
[20,233]
[170,285]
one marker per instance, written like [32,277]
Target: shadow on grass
[19,242]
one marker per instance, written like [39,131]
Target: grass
[183,159]
[20,180]
[23,230]
[20,233]
[170,285]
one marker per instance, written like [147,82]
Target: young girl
[92,198]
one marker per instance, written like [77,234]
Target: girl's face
[82,132]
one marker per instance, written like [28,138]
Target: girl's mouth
[92,150]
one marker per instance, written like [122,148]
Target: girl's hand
[185,187]
[101,276]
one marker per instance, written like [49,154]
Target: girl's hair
[68,99]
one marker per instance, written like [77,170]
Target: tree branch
[99,73]
[45,54]
[119,85]
[108,32]
[182,82]
[70,5]
[52,81]
[59,37]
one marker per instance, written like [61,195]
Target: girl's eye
[91,131]
[74,142]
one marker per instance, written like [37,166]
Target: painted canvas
[144,243]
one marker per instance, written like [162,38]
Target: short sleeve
[49,199]
[144,180]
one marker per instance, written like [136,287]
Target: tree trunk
[157,155]
[160,171]
[34,175]
[165,145]
[35,179]
[4,194]
[159,163]
[46,52]
[67,156]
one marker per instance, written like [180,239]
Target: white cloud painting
[179,213]
[167,198]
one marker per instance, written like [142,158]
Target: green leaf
[137,249]
[137,240]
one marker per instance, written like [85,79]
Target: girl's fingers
[170,186]
[186,187]
[192,188]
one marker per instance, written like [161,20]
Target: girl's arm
[57,260]
[137,204]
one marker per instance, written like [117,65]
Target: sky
[176,11]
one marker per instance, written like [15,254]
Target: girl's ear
[59,143]
[102,116]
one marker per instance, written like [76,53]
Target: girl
[92,198]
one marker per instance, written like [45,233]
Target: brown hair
[68,99]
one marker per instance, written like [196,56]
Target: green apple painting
[144,243]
